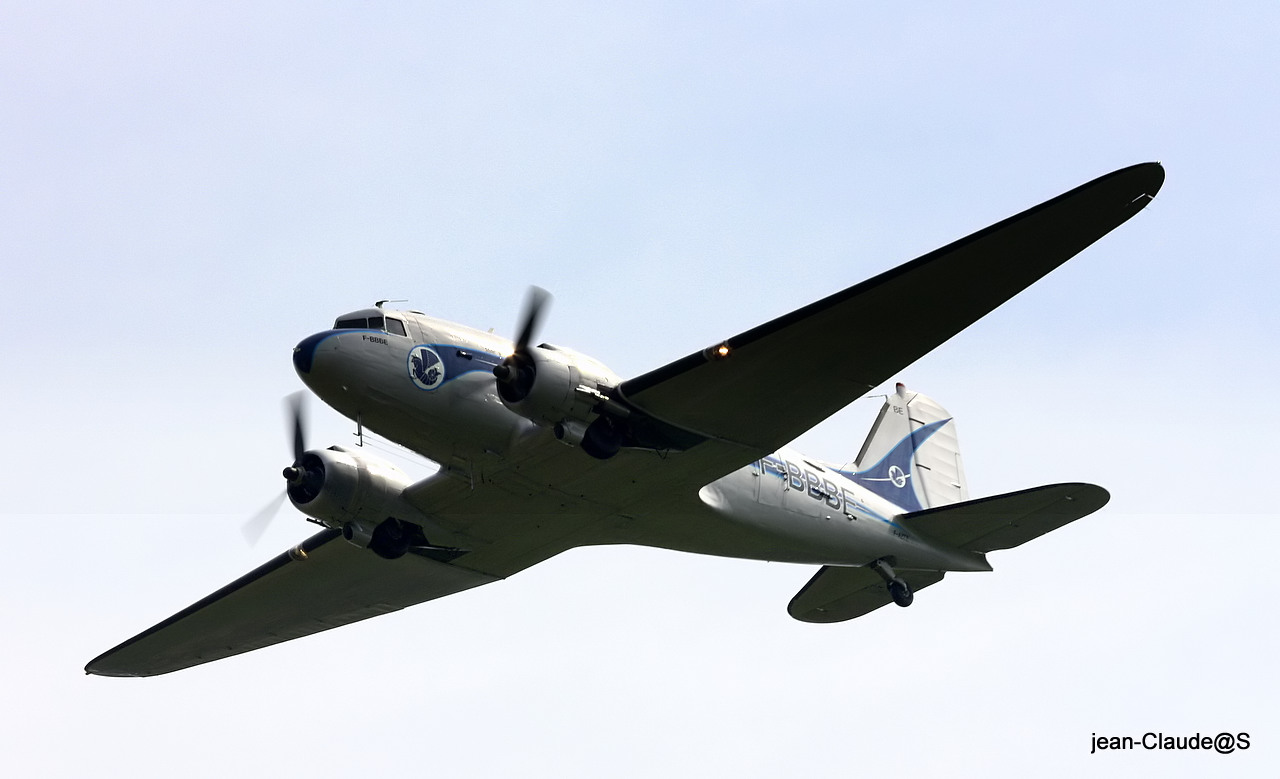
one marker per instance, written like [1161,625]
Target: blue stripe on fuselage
[799,480]
[455,363]
[459,360]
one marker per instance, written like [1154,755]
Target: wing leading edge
[322,583]
[732,395]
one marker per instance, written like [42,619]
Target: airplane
[542,449]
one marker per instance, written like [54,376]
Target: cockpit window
[387,324]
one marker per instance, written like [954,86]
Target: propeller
[515,374]
[255,527]
[298,475]
[293,407]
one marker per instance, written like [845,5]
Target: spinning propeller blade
[258,524]
[293,407]
[253,529]
[515,374]
[535,301]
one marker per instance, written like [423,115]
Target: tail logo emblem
[896,476]
[426,368]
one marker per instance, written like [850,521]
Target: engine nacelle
[340,488]
[566,389]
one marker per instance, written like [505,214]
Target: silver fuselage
[784,507]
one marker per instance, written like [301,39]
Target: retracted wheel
[901,593]
[390,539]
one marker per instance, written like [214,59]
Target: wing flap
[322,583]
[836,594]
[1009,520]
[893,319]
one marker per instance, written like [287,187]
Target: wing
[320,584]
[836,594]
[326,582]
[733,395]
[1009,520]
[706,415]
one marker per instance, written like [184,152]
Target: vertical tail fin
[912,455]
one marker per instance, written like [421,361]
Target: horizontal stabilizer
[321,584]
[1009,520]
[836,594]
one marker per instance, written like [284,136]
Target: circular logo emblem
[426,368]
[896,476]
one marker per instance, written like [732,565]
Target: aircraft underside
[542,449]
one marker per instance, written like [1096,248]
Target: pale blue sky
[189,191]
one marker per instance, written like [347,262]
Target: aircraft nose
[304,354]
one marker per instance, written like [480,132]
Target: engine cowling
[356,492]
[562,390]
[338,486]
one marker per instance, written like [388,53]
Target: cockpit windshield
[385,324]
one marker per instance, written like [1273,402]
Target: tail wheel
[901,593]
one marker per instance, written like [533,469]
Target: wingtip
[94,668]
[90,670]
[1157,168]
[1145,179]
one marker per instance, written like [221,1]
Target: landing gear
[899,590]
